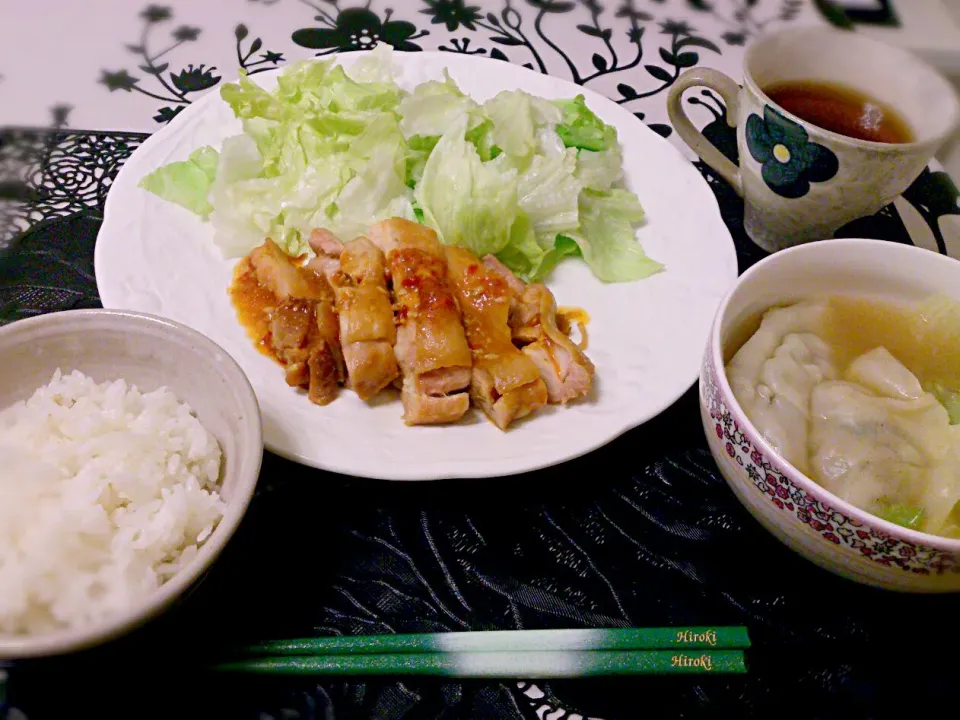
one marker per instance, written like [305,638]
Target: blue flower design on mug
[789,160]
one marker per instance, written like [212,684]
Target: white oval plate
[646,338]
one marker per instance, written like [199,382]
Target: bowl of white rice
[130,447]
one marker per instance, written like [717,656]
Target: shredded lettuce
[530,180]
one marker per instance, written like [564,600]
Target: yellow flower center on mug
[781,153]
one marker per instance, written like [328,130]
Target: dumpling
[774,372]
[885,375]
[879,442]
[853,431]
[942,493]
[867,431]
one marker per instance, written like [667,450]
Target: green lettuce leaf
[607,237]
[522,253]
[600,170]
[186,183]
[482,138]
[548,193]
[908,516]
[468,202]
[515,118]
[433,107]
[950,399]
[563,247]
[418,150]
[581,128]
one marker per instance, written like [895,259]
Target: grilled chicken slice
[327,247]
[524,318]
[567,372]
[325,265]
[431,347]
[324,242]
[289,330]
[504,382]
[514,284]
[304,332]
[326,360]
[397,234]
[367,329]
[279,274]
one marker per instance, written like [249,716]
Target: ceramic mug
[800,182]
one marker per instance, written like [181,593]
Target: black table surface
[643,532]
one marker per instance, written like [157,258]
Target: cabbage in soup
[863,396]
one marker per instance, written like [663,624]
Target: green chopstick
[505,653]
[531,664]
[692,638]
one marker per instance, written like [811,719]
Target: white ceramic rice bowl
[148,352]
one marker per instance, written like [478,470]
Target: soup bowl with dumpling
[830,397]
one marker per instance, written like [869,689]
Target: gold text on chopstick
[686,636]
[704,661]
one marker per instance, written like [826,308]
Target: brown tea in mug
[841,110]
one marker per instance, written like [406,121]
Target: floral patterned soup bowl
[807,518]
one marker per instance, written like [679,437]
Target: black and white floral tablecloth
[642,532]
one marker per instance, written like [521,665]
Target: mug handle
[727,89]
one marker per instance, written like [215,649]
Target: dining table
[643,532]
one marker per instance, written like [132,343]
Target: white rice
[105,493]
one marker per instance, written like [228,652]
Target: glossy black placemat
[641,532]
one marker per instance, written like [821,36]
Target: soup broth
[925,336]
[841,110]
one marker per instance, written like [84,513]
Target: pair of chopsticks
[528,654]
